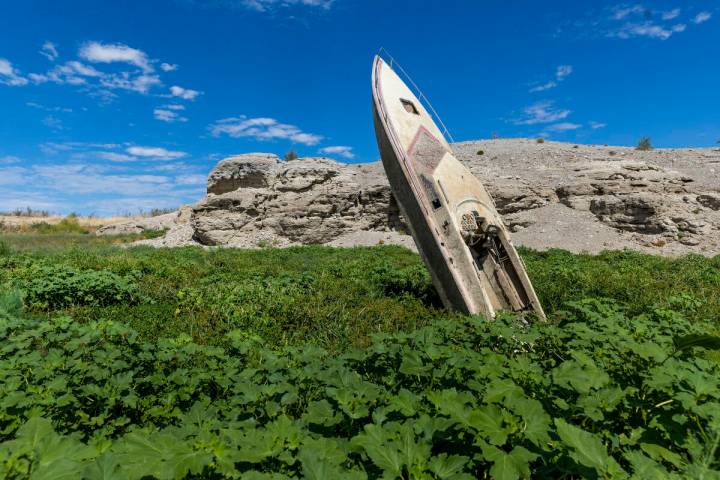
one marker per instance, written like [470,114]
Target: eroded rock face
[243,171]
[578,197]
[303,201]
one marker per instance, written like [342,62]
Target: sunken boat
[452,218]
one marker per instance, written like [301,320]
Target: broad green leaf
[687,342]
[585,448]
[580,376]
[448,467]
[488,421]
[509,466]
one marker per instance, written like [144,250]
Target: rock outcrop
[259,199]
[577,197]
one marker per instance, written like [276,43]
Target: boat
[460,235]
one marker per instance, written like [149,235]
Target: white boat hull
[452,218]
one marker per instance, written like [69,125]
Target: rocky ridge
[552,195]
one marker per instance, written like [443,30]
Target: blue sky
[112,107]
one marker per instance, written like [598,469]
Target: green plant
[69,224]
[481,152]
[154,233]
[291,155]
[57,286]
[540,140]
[595,394]
[644,144]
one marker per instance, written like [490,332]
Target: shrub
[59,286]
[154,233]
[644,144]
[291,155]
[540,140]
[599,395]
[69,224]
[481,152]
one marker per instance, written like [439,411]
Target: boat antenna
[384,53]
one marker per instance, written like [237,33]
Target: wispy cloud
[48,109]
[339,150]
[169,113]
[114,152]
[636,21]
[562,127]
[9,160]
[168,67]
[702,17]
[9,75]
[128,69]
[155,153]
[127,81]
[268,5]
[96,52]
[561,72]
[184,93]
[262,129]
[109,188]
[52,122]
[670,14]
[597,125]
[542,112]
[72,73]
[49,51]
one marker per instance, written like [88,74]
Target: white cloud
[620,13]
[265,5]
[9,160]
[544,86]
[49,51]
[109,53]
[192,179]
[155,153]
[13,176]
[342,151]
[561,72]
[648,29]
[702,17]
[262,129]
[638,21]
[71,73]
[562,127]
[48,109]
[9,75]
[94,186]
[112,156]
[597,125]
[670,14]
[53,122]
[126,81]
[542,112]
[184,93]
[168,67]
[169,113]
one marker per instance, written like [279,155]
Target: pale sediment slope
[552,195]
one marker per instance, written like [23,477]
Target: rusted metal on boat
[452,218]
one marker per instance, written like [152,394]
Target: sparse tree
[291,155]
[644,144]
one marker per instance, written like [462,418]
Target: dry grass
[22,223]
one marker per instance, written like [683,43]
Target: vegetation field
[328,363]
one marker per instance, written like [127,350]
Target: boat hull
[452,218]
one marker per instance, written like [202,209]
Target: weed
[644,144]
[154,233]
